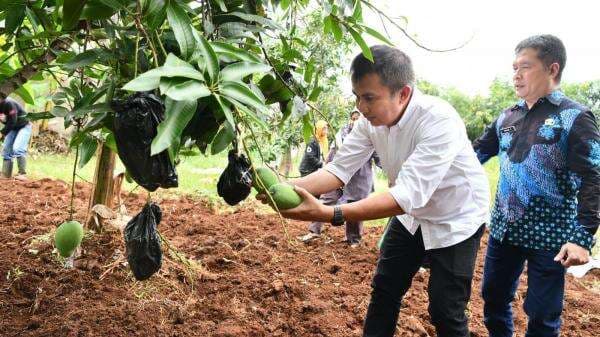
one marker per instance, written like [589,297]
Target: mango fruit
[284,196]
[267,177]
[67,237]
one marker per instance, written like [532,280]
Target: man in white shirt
[438,200]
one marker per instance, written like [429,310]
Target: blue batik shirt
[549,185]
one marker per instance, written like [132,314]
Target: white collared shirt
[434,174]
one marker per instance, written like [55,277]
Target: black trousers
[449,283]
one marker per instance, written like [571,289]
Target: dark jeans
[449,283]
[545,289]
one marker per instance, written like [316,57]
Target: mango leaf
[210,58]
[357,11]
[188,90]
[182,28]
[241,93]
[336,29]
[363,45]
[96,11]
[314,94]
[222,139]
[173,67]
[59,111]
[238,53]
[25,95]
[224,106]
[262,21]
[95,108]
[114,4]
[177,116]
[377,35]
[14,20]
[81,60]
[307,128]
[222,6]
[147,81]
[72,12]
[239,70]
[154,13]
[252,115]
[87,148]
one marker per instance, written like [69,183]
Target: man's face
[376,102]
[531,78]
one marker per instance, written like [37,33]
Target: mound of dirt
[251,280]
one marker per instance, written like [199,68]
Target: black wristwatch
[338,217]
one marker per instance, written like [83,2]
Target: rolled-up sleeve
[439,142]
[356,150]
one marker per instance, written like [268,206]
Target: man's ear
[405,94]
[554,69]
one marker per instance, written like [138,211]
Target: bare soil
[252,281]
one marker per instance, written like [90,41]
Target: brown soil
[254,282]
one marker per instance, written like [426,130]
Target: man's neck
[531,101]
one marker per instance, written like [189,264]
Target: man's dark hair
[550,49]
[392,65]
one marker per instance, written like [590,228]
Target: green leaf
[241,93]
[155,13]
[336,29]
[363,45]
[210,58]
[177,116]
[149,80]
[237,71]
[262,21]
[71,13]
[114,4]
[97,11]
[87,148]
[309,70]
[327,24]
[240,54]
[182,28]
[377,35]
[252,115]
[188,90]
[224,106]
[81,60]
[357,12]
[25,95]
[59,111]
[222,139]
[222,6]
[95,108]
[314,94]
[15,18]
[307,128]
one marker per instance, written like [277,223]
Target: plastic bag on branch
[235,182]
[136,120]
[142,242]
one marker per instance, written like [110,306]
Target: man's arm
[318,182]
[487,145]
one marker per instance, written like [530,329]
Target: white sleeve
[439,142]
[356,150]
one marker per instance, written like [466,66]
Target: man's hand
[572,255]
[310,209]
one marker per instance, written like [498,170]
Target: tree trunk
[286,162]
[103,182]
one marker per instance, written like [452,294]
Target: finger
[561,255]
[302,192]
[570,260]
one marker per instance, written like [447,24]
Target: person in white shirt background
[438,200]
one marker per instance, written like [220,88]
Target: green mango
[267,177]
[284,196]
[67,237]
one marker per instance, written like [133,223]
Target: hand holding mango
[282,193]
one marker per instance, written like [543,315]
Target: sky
[494,28]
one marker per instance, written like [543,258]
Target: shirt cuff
[582,238]
[338,172]
[400,194]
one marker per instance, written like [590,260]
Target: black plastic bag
[235,182]
[142,242]
[136,120]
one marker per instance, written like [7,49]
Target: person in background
[316,150]
[16,134]
[358,188]
[547,206]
